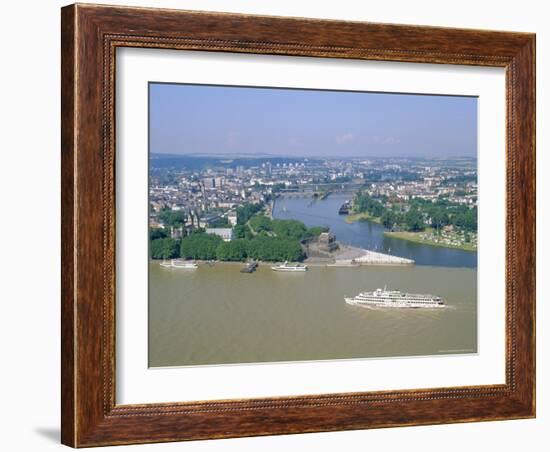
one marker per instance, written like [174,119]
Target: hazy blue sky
[190,119]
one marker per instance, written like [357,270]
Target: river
[366,234]
[217,315]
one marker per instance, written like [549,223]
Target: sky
[222,120]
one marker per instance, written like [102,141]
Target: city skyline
[207,120]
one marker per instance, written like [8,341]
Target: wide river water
[217,315]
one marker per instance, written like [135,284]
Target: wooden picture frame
[90,36]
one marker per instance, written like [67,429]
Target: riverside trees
[164,248]
[261,238]
[417,214]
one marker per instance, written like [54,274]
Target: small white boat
[176,263]
[286,267]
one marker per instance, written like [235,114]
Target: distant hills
[202,161]
[199,162]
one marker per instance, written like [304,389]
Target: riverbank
[344,256]
[426,237]
[363,216]
[423,238]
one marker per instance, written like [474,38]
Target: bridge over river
[319,190]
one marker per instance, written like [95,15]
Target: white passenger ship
[175,263]
[286,267]
[396,299]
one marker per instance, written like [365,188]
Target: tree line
[420,214]
[203,246]
[287,229]
[260,238]
[245,212]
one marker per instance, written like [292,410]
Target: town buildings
[209,196]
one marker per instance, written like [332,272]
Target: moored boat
[177,263]
[286,267]
[250,267]
[344,208]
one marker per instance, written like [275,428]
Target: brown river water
[217,315]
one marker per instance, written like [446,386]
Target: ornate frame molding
[90,37]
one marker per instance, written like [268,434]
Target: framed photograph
[281,225]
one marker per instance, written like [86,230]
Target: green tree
[316,230]
[244,213]
[200,246]
[364,202]
[157,233]
[470,223]
[377,209]
[235,250]
[275,249]
[173,218]
[164,248]
[465,218]
[388,219]
[414,221]
[260,223]
[439,219]
[289,229]
[241,231]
